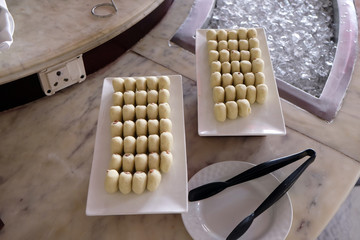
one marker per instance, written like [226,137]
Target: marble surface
[47,147]
[46,156]
[65,30]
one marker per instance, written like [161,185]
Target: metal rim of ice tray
[330,100]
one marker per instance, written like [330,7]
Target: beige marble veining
[46,154]
[48,33]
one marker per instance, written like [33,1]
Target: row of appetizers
[141,97]
[140,127]
[235,34]
[126,182]
[141,162]
[131,112]
[142,144]
[241,91]
[140,83]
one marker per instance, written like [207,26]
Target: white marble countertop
[47,147]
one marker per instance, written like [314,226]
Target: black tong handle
[241,228]
[260,170]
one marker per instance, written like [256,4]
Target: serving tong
[210,189]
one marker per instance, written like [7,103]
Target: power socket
[62,75]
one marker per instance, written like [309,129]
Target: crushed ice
[301,36]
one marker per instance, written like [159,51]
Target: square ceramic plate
[170,197]
[265,119]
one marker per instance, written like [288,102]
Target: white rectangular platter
[265,119]
[170,197]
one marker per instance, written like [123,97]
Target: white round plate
[217,216]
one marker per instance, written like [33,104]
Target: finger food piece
[231,110]
[164,82]
[166,141]
[115,113]
[230,93]
[154,179]
[118,99]
[141,144]
[139,181]
[251,33]
[244,107]
[164,96]
[212,45]
[232,34]
[129,97]
[215,79]
[140,112]
[220,112]
[222,45]
[225,67]
[116,129]
[115,162]
[125,182]
[235,66]
[130,84]
[234,55]
[152,111]
[242,33]
[154,143]
[154,161]
[141,126]
[215,66]
[226,79]
[129,128]
[224,56]
[233,44]
[166,159]
[238,78]
[243,45]
[129,144]
[141,97]
[257,65]
[118,84]
[152,83]
[153,126]
[141,162]
[141,84]
[128,112]
[249,78]
[165,125]
[128,162]
[222,35]
[245,66]
[111,181]
[218,94]
[240,91]
[261,93]
[255,53]
[164,110]
[259,78]
[251,94]
[245,55]
[211,34]
[117,145]
[253,43]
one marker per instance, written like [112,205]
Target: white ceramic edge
[203,74]
[179,134]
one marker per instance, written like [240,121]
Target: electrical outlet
[62,75]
